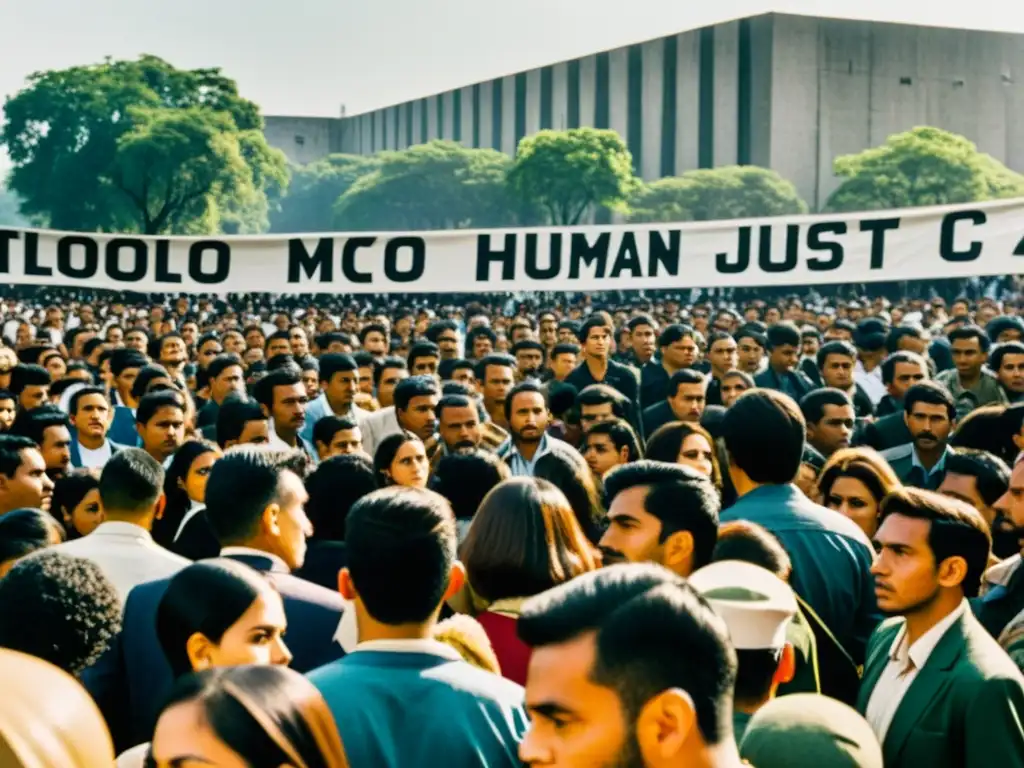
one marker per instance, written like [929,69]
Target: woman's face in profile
[183,739]
[198,474]
[256,638]
[87,515]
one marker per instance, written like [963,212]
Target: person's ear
[200,651]
[271,520]
[346,587]
[665,724]
[161,506]
[624,454]
[678,550]
[456,580]
[786,670]
[266,411]
[952,571]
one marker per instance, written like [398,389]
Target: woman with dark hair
[24,531]
[465,479]
[569,472]
[401,459]
[185,489]
[335,486]
[854,482]
[690,445]
[76,502]
[524,540]
[259,717]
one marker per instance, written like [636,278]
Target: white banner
[946,241]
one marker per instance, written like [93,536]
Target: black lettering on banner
[764,249]
[66,253]
[112,260]
[484,257]
[947,238]
[6,236]
[726,267]
[348,259]
[815,243]
[302,261]
[32,265]
[878,228]
[661,254]
[163,263]
[628,258]
[533,270]
[222,268]
[583,251]
[419,259]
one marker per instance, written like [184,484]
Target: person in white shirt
[90,416]
[131,492]
[937,688]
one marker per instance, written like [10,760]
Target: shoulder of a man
[899,453]
[293,588]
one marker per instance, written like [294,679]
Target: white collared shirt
[194,509]
[894,682]
[870,381]
[412,645]
[277,564]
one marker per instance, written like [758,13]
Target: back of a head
[24,531]
[58,608]
[61,728]
[653,633]
[751,543]
[267,715]
[131,483]
[464,479]
[333,488]
[401,547]
[764,434]
[240,488]
[807,730]
[206,597]
[234,413]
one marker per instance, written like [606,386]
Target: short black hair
[505,361]
[124,359]
[892,340]
[597,320]
[334,487]
[932,393]
[453,401]
[24,531]
[281,377]
[383,365]
[26,375]
[1003,323]
[131,482]
[85,392]
[326,428]
[642,319]
[235,412]
[435,329]
[369,328]
[529,344]
[675,332]
[414,386]
[564,348]
[653,632]
[755,332]
[146,374]
[781,335]
[58,608]
[422,349]
[394,532]
[33,424]
[684,376]
[967,332]
[336,362]
[518,389]
[240,488]
[999,351]
[812,405]
[154,401]
[466,478]
[221,363]
[680,498]
[603,394]
[11,447]
[844,348]
[621,434]
[752,543]
[957,529]
[764,433]
[991,474]
[480,330]
[901,357]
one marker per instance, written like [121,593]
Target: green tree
[567,173]
[731,192]
[924,166]
[10,213]
[140,146]
[438,185]
[315,188]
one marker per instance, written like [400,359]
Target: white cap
[756,605]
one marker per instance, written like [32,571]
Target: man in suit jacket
[89,409]
[401,699]
[781,374]
[416,401]
[131,491]
[930,414]
[937,689]
[887,432]
[256,509]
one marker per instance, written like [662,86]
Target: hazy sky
[311,56]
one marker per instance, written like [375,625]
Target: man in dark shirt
[597,367]
[678,347]
[783,342]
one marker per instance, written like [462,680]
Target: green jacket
[965,709]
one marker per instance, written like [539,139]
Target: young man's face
[344,442]
[598,343]
[29,486]
[56,451]
[7,412]
[389,379]
[601,454]
[92,416]
[563,364]
[164,433]
[1011,373]
[33,396]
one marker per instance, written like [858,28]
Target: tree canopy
[315,188]
[140,146]
[10,214]
[438,185]
[732,192]
[567,173]
[924,166]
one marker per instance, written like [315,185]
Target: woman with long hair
[76,502]
[185,488]
[259,717]
[570,473]
[401,459]
[690,445]
[854,482]
[524,540]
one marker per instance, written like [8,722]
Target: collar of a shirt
[923,647]
[411,645]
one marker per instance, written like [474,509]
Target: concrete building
[781,91]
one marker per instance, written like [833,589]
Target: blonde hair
[467,636]
[61,728]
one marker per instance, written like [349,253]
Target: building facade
[785,92]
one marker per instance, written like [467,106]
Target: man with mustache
[461,430]
[937,688]
[930,414]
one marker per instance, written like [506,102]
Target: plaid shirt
[491,438]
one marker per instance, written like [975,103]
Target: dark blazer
[793,383]
[656,416]
[324,559]
[131,680]
[809,368]
[965,708]
[197,540]
[885,433]
[122,428]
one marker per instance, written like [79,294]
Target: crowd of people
[638,533]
